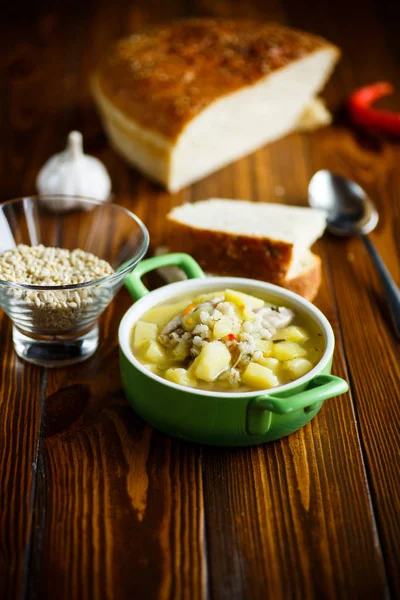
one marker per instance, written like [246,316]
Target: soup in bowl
[226,340]
[224,361]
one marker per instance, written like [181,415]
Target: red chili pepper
[231,336]
[373,118]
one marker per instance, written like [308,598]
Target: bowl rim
[163,293]
[127,266]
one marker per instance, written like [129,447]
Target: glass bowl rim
[125,268]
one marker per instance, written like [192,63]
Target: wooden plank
[295,514]
[124,503]
[300,505]
[20,384]
[20,400]
[127,505]
[369,343]
[121,508]
[370,346]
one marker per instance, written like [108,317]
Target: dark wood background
[94,503]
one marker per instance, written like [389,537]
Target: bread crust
[306,284]
[228,254]
[163,77]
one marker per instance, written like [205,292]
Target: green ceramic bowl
[220,418]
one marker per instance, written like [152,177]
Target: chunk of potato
[291,334]
[212,360]
[222,327]
[206,297]
[287,351]
[181,351]
[155,353]
[259,377]
[152,367]
[193,366]
[247,314]
[144,333]
[180,376]
[265,346]
[191,320]
[298,367]
[161,315]
[243,300]
[268,361]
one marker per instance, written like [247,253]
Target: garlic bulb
[74,173]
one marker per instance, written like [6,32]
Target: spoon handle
[391,290]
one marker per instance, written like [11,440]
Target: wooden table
[94,503]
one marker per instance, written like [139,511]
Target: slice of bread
[305,281]
[245,239]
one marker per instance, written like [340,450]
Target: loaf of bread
[265,241]
[181,100]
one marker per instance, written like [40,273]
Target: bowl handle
[319,389]
[133,281]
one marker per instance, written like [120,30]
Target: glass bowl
[58,325]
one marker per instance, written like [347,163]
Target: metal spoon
[351,212]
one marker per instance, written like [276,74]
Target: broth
[226,341]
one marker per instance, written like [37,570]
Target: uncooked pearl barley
[41,265]
[56,310]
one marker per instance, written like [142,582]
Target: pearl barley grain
[41,265]
[56,310]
